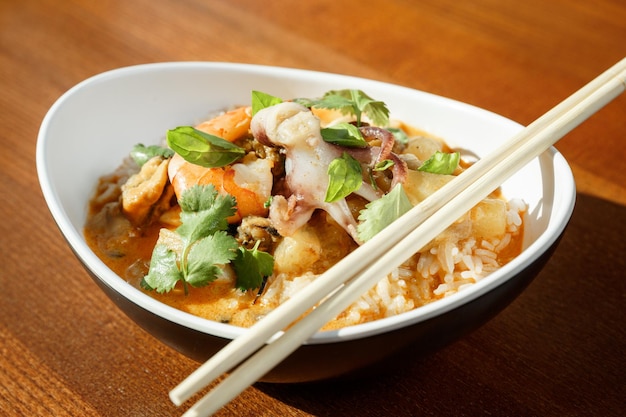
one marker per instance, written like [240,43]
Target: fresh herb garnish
[380,213]
[204,246]
[441,163]
[203,149]
[344,134]
[399,134]
[354,102]
[262,100]
[383,165]
[345,176]
[142,154]
[252,266]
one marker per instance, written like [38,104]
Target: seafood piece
[230,125]
[146,193]
[307,156]
[250,181]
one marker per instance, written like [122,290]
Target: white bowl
[91,128]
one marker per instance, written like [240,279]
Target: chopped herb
[345,176]
[380,213]
[441,163]
[142,154]
[203,149]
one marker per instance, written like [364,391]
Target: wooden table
[558,350]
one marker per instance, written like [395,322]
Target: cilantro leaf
[345,176]
[380,213]
[202,246]
[262,100]
[251,266]
[205,256]
[164,272]
[344,134]
[142,154]
[355,102]
[441,163]
[203,149]
[204,212]
[306,102]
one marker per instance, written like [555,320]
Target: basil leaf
[203,149]
[262,100]
[345,176]
[344,134]
[441,163]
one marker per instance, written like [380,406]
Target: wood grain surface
[558,350]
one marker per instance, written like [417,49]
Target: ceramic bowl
[90,129]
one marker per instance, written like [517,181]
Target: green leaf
[441,163]
[344,134]
[399,134]
[262,100]
[375,110]
[204,212]
[354,102]
[345,176]
[206,255]
[164,272]
[383,165]
[142,154]
[380,213]
[306,102]
[251,266]
[206,246]
[203,149]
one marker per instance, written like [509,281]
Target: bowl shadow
[471,368]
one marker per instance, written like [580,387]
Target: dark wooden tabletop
[558,350]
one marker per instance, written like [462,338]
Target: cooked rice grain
[437,272]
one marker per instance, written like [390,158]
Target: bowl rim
[567,193]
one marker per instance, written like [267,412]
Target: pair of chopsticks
[248,358]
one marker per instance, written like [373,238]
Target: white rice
[435,273]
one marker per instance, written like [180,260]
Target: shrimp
[249,181]
[230,125]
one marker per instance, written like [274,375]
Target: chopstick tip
[176,397]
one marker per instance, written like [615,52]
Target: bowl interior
[91,128]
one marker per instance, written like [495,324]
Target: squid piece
[307,156]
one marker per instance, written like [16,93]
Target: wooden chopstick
[388,249]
